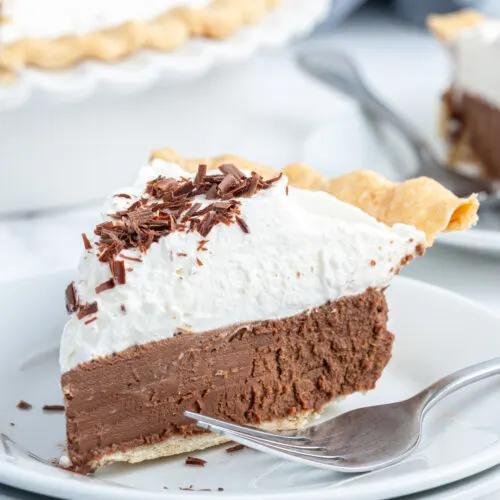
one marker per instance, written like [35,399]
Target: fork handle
[462,378]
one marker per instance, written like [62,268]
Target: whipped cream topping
[55,18]
[303,249]
[476,53]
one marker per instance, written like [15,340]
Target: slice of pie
[470,116]
[217,286]
[56,34]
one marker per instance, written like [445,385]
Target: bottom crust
[176,445]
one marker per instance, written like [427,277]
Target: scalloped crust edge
[219,19]
[421,202]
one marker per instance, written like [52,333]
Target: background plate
[349,144]
[433,337]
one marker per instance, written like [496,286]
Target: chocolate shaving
[53,408]
[267,184]
[229,168]
[252,186]
[86,242]
[169,205]
[235,448]
[107,285]
[205,210]
[118,272]
[91,320]
[192,210]
[242,224]
[123,308]
[86,310]
[206,225]
[212,193]
[24,405]
[126,257]
[71,298]
[200,175]
[195,461]
[122,195]
[201,245]
[222,205]
[199,262]
[229,182]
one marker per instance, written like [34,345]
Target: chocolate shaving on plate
[236,447]
[53,408]
[195,461]
[24,405]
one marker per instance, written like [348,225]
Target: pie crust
[421,202]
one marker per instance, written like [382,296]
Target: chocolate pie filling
[247,373]
[481,122]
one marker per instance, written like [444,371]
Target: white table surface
[399,60]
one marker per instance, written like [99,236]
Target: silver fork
[336,69]
[361,440]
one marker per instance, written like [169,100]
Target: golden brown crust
[219,19]
[422,202]
[447,27]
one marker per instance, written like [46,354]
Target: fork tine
[326,462]
[251,431]
[264,441]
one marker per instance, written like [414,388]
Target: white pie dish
[290,19]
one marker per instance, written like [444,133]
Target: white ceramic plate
[436,332]
[290,19]
[482,486]
[349,144]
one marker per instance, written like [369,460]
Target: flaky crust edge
[421,202]
[219,19]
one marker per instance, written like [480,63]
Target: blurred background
[69,138]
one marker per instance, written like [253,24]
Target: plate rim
[412,482]
[467,241]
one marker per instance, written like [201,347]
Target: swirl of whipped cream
[303,249]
